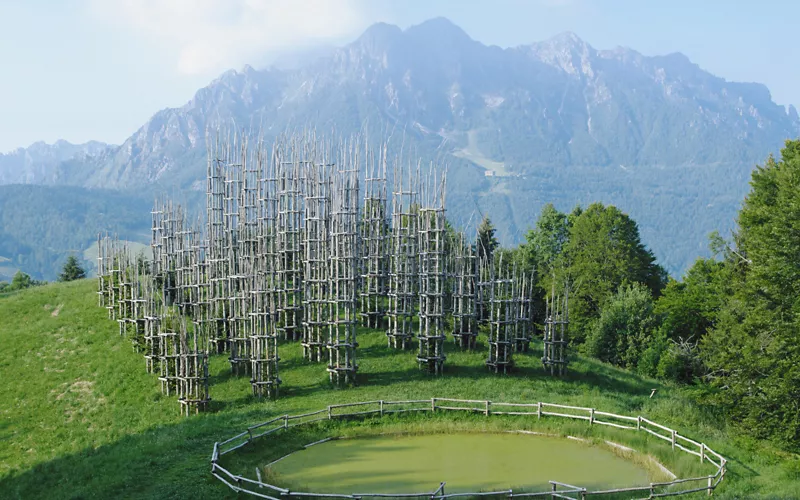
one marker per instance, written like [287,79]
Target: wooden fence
[676,487]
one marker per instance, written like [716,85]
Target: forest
[729,328]
[63,221]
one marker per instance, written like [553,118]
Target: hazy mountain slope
[39,163]
[553,121]
[555,103]
[41,225]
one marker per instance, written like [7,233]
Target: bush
[625,329]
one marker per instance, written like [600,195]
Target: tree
[752,353]
[690,306]
[546,240]
[625,329]
[21,281]
[72,270]
[542,253]
[487,241]
[603,253]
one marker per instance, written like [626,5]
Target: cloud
[209,36]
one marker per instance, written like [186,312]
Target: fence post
[433,404]
[381,407]
[702,452]
[539,410]
[673,440]
[710,485]
[330,412]
[591,416]
[286,421]
[639,423]
[487,408]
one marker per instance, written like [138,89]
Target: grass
[80,418]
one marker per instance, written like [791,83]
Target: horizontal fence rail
[258,488]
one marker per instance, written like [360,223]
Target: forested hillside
[40,226]
[729,327]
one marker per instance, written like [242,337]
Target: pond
[466,462]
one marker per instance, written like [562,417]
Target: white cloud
[209,36]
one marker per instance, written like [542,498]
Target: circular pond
[466,462]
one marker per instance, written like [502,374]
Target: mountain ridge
[555,120]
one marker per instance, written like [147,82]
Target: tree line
[72,270]
[730,327]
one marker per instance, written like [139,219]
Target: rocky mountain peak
[438,30]
[566,51]
[791,111]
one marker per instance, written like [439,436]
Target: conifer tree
[72,270]
[487,241]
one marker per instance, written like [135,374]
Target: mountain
[554,121]
[40,163]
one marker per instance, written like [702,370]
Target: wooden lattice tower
[241,207]
[114,279]
[316,250]
[102,270]
[169,343]
[264,335]
[403,274]
[186,248]
[107,270]
[555,333]
[431,335]
[238,306]
[138,301]
[289,231]
[483,287]
[152,321]
[465,265]
[268,233]
[501,304]
[343,274]
[192,366]
[374,240]
[124,290]
[172,219]
[217,266]
[523,333]
[157,217]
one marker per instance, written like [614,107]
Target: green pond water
[467,462]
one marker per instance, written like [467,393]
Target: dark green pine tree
[72,270]
[487,241]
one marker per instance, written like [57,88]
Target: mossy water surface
[465,462]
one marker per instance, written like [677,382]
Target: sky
[84,70]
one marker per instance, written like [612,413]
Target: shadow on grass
[164,462]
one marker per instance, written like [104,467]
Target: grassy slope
[80,418]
